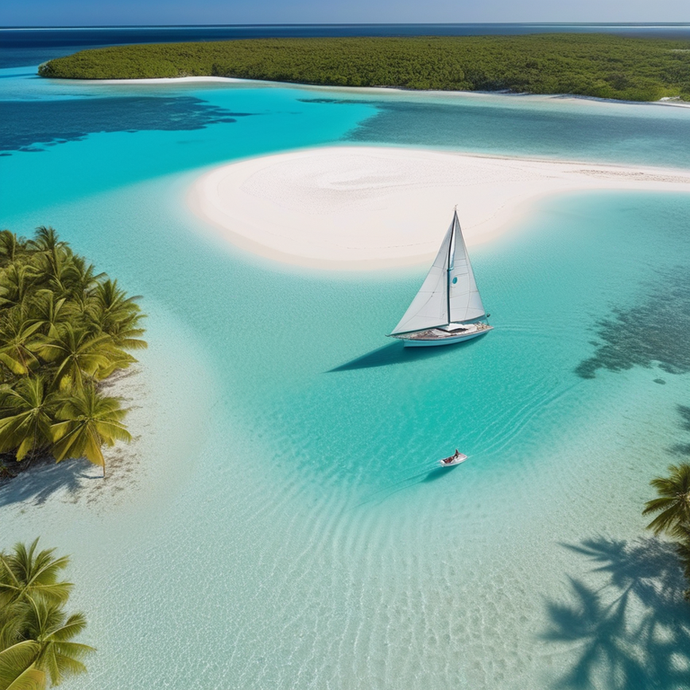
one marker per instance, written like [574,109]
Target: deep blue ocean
[279,521]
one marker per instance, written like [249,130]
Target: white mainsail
[449,292]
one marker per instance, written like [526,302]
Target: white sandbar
[365,207]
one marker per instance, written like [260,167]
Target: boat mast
[451,247]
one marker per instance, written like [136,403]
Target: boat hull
[456,461]
[450,340]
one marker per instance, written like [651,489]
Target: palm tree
[673,504]
[29,415]
[10,247]
[89,420]
[17,667]
[45,240]
[55,270]
[81,279]
[49,252]
[77,352]
[46,651]
[117,315]
[12,615]
[53,630]
[35,634]
[16,283]
[27,576]
[49,311]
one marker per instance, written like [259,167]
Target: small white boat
[453,460]
[448,308]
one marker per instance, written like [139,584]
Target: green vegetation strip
[598,65]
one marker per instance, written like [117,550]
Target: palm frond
[68,665]
[16,659]
[30,679]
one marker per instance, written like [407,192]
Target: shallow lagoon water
[289,528]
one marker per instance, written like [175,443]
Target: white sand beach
[152,81]
[359,208]
[672,101]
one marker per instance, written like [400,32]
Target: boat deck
[441,334]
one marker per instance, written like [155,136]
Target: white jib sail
[429,308]
[465,301]
[449,292]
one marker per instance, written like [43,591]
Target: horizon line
[297,24]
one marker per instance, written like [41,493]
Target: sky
[129,12]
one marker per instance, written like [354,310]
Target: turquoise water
[284,525]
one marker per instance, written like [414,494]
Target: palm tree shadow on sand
[38,483]
[632,632]
[683,448]
[397,353]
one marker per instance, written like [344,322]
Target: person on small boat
[449,460]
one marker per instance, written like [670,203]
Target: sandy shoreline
[667,101]
[360,208]
[164,80]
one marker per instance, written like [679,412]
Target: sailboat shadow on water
[397,353]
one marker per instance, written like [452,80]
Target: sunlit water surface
[279,522]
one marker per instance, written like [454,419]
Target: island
[595,65]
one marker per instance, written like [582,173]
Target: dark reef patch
[24,125]
[657,330]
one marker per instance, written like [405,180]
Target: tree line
[64,329]
[600,65]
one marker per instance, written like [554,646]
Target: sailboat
[448,308]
